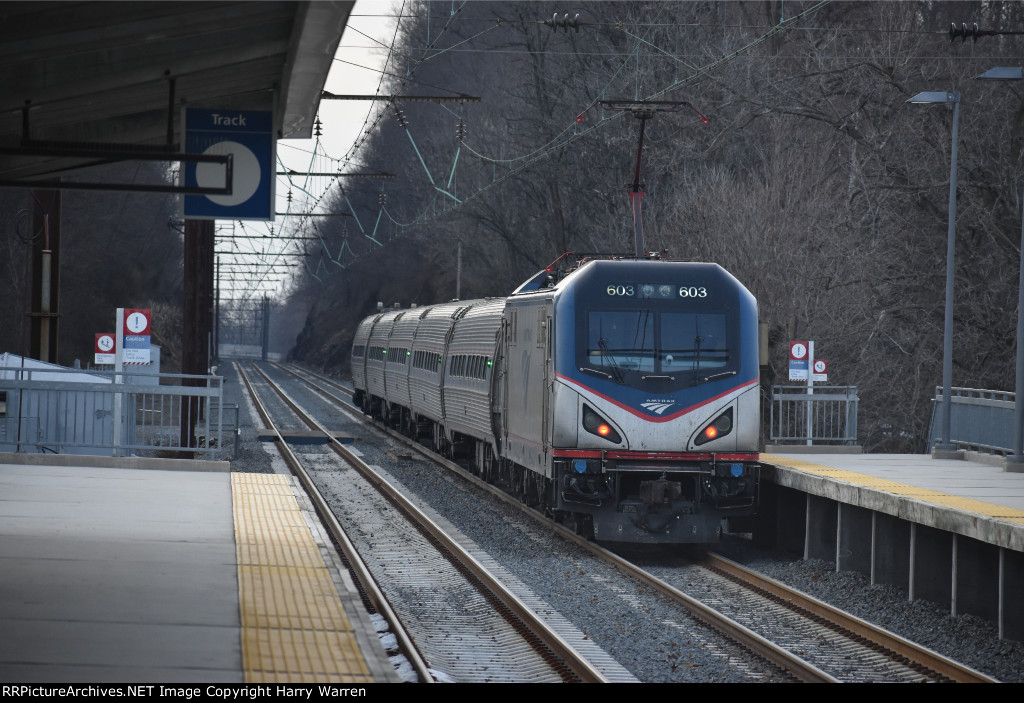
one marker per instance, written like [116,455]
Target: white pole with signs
[818,372]
[118,368]
[804,367]
[810,392]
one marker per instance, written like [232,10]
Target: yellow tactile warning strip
[969,505]
[294,629]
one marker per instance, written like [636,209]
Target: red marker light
[711,432]
[597,425]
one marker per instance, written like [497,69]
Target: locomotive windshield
[655,344]
[659,327]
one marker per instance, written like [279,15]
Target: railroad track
[847,648]
[905,660]
[479,630]
[818,643]
[373,597]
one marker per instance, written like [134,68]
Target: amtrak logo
[657,407]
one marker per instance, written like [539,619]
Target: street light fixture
[1003,73]
[1015,462]
[944,448]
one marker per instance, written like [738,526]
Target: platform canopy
[83,83]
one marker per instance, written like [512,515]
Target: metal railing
[979,420]
[828,415]
[66,411]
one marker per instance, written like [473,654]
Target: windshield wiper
[617,373]
[720,375]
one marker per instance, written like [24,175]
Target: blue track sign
[248,136]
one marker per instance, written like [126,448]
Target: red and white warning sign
[104,348]
[820,371]
[798,353]
[137,321]
[135,347]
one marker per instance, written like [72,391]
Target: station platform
[946,530]
[149,570]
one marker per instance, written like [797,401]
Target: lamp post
[1015,462]
[944,448]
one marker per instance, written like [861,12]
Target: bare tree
[814,182]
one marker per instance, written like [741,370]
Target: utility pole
[265,332]
[458,273]
[216,315]
[197,316]
[45,309]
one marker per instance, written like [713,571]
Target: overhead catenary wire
[669,25]
[565,138]
[348,156]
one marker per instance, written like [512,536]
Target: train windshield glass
[692,342]
[621,338]
[637,345]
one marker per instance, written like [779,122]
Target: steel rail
[356,564]
[859,628]
[801,669]
[290,369]
[926,658]
[753,642]
[550,639]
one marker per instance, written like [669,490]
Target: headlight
[597,425]
[717,428]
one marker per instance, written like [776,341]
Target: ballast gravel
[655,641]
[965,638]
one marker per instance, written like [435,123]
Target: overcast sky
[356,71]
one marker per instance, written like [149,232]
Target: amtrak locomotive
[618,395]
